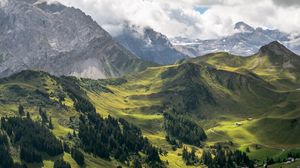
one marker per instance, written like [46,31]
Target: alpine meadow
[149,84]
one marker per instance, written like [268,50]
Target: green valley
[229,102]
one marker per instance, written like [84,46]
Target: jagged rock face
[245,41]
[59,40]
[243,27]
[149,45]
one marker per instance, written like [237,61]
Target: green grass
[283,132]
[128,100]
[284,165]
[270,67]
[145,96]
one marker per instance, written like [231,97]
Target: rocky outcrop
[61,40]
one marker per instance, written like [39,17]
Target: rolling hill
[237,108]
[274,63]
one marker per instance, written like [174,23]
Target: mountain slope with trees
[151,118]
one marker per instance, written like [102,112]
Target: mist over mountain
[74,96]
[245,41]
[60,40]
[149,45]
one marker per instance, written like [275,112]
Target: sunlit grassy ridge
[238,97]
[273,62]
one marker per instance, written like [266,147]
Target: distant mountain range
[245,41]
[149,45]
[60,40]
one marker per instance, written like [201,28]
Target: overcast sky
[192,18]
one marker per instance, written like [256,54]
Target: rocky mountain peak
[50,7]
[61,40]
[243,27]
[149,44]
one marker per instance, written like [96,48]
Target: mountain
[219,94]
[218,110]
[273,62]
[149,45]
[294,44]
[61,40]
[245,41]
[243,27]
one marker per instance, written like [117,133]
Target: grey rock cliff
[149,45]
[60,40]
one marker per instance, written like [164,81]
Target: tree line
[116,138]
[183,130]
[218,158]
[32,138]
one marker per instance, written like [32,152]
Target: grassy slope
[268,67]
[251,101]
[275,128]
[141,99]
[22,89]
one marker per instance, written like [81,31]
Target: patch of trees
[5,157]
[43,115]
[47,121]
[18,90]
[72,87]
[32,138]
[174,142]
[21,110]
[293,154]
[41,93]
[83,105]
[290,155]
[114,138]
[190,158]
[30,155]
[60,163]
[77,156]
[6,160]
[217,158]
[183,130]
[226,159]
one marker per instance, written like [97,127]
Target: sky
[203,19]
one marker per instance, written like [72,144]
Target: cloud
[182,17]
[2,2]
[287,2]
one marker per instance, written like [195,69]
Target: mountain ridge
[243,27]
[244,41]
[229,106]
[149,45]
[60,40]
[274,63]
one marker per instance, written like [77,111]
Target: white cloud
[2,2]
[179,18]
